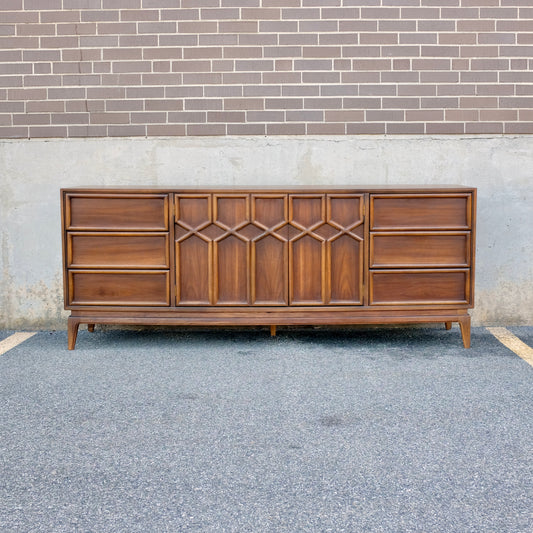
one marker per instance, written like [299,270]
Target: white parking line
[513,343]
[15,340]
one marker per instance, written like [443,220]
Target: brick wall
[71,68]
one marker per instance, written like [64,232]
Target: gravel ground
[230,430]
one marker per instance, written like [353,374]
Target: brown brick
[424,115]
[336,90]
[238,26]
[70,118]
[197,27]
[265,116]
[131,66]
[304,116]
[241,78]
[525,128]
[180,14]
[499,89]
[439,102]
[431,64]
[321,51]
[19,42]
[380,13]
[243,51]
[122,105]
[300,13]
[326,129]
[149,117]
[317,25]
[365,129]
[284,103]
[401,50]
[110,118]
[121,4]
[99,16]
[499,115]
[256,39]
[262,90]
[162,78]
[187,117]
[489,64]
[461,115]
[358,25]
[400,128]
[166,129]
[131,130]
[218,40]
[206,129]
[286,129]
[486,127]
[223,91]
[436,25]
[115,28]
[320,77]
[223,65]
[361,51]
[254,65]
[156,27]
[246,104]
[417,90]
[202,53]
[378,38]
[246,129]
[42,4]
[457,38]
[516,102]
[337,38]
[456,90]
[14,132]
[47,131]
[384,116]
[226,116]
[193,104]
[21,16]
[418,38]
[362,103]
[446,128]
[298,39]
[377,90]
[498,12]
[260,13]
[344,116]
[27,119]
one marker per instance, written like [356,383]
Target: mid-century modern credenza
[214,257]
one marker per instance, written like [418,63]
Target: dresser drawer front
[419,250]
[107,287]
[113,250]
[420,211]
[143,212]
[393,287]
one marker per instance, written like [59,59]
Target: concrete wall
[33,171]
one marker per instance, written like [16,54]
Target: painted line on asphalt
[15,340]
[514,344]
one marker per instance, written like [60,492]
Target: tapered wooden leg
[73,325]
[464,323]
[272,331]
[448,325]
[90,328]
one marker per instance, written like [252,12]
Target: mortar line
[15,340]
[514,344]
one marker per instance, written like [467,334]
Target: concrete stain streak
[514,344]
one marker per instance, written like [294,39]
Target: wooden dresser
[268,257]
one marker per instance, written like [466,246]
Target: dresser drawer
[420,211]
[116,250]
[108,287]
[391,287]
[419,249]
[141,212]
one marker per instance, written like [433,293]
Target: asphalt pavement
[230,430]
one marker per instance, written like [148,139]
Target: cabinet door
[231,249]
[326,249]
